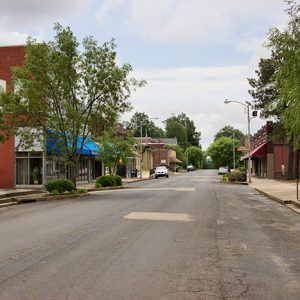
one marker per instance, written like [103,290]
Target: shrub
[225,177]
[98,185]
[237,176]
[81,191]
[55,193]
[108,180]
[60,185]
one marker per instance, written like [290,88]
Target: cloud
[189,22]
[33,16]
[106,8]
[198,92]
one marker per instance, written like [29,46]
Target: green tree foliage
[285,46]
[115,150]
[194,156]
[230,132]
[149,129]
[207,161]
[221,152]
[66,92]
[174,129]
[264,91]
[192,136]
[179,151]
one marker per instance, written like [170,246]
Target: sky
[193,54]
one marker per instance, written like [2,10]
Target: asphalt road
[186,237]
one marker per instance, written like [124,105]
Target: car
[190,168]
[223,170]
[161,171]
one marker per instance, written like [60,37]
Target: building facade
[271,156]
[10,56]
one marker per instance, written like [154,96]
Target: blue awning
[90,147]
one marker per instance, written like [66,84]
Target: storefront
[35,167]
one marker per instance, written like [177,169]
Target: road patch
[155,216]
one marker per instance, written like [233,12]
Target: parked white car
[161,171]
[190,168]
[223,170]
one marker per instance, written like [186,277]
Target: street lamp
[233,150]
[247,106]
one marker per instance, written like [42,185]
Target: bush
[60,185]
[108,180]
[237,176]
[225,176]
[98,185]
[55,193]
[81,191]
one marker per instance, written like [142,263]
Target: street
[185,237]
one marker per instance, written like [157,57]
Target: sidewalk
[284,192]
[22,194]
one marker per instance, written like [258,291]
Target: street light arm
[229,101]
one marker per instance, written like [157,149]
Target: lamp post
[247,106]
[233,150]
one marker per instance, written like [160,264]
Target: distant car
[161,171]
[223,170]
[190,168]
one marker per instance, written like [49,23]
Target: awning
[174,160]
[90,147]
[259,151]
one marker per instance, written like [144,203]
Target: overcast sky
[193,53]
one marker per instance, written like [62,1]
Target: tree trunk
[73,170]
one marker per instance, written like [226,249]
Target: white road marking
[177,189]
[155,216]
[183,189]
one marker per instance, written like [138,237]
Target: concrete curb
[291,204]
[234,182]
[51,198]
[23,193]
[281,201]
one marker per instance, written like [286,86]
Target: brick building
[22,166]
[271,156]
[10,56]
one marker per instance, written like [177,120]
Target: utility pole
[141,162]
[233,150]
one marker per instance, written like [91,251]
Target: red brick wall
[10,56]
[281,157]
[159,155]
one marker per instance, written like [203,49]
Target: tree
[148,126]
[194,156]
[285,45]
[115,150]
[179,151]
[230,132]
[174,129]
[264,91]
[221,152]
[207,162]
[66,93]
[192,136]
